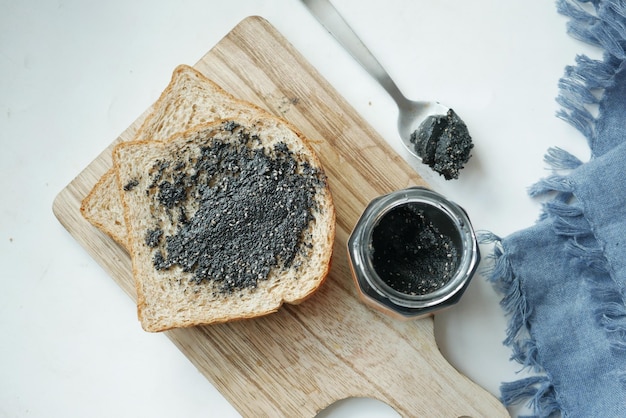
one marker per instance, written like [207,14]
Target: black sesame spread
[153,237]
[237,210]
[131,185]
[411,253]
[444,143]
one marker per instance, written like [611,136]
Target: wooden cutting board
[303,358]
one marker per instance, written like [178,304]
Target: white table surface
[74,74]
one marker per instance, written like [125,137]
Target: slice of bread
[190,99]
[225,221]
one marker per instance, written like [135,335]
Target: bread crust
[94,210]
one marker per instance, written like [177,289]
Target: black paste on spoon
[443,143]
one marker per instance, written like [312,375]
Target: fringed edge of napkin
[580,87]
[537,391]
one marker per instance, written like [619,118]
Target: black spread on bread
[131,185]
[239,211]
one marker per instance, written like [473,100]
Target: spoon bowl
[430,131]
[412,114]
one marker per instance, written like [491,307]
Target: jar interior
[416,248]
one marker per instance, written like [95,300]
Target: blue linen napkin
[563,279]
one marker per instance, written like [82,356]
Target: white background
[75,74]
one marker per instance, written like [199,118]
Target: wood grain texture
[299,360]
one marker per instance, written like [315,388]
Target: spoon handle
[329,17]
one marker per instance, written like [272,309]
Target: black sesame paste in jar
[443,143]
[415,249]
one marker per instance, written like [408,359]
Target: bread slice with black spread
[190,99]
[225,221]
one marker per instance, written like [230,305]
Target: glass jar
[412,252]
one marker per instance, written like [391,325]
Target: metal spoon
[416,119]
